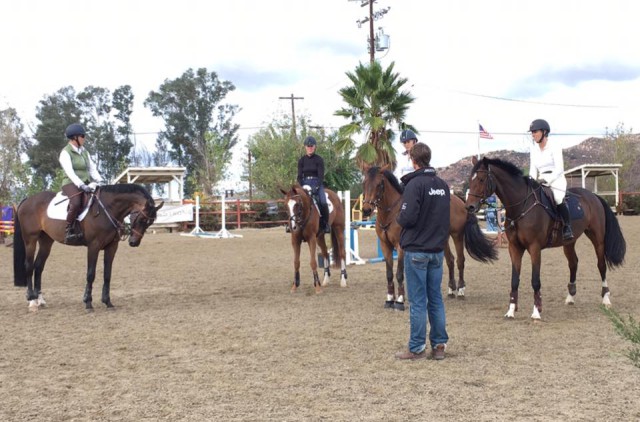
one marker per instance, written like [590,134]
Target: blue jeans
[424,279]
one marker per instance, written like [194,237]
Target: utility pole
[373,40]
[293,113]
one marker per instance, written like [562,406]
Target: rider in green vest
[81,176]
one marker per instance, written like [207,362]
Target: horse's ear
[159,206]
[474,160]
[284,192]
[385,168]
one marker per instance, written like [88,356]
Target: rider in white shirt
[405,166]
[547,165]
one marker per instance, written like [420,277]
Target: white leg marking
[41,301]
[389,298]
[570,300]
[343,280]
[33,305]
[400,299]
[450,292]
[606,301]
[511,313]
[461,291]
[535,314]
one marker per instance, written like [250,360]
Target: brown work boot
[437,353]
[409,355]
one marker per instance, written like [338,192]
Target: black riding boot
[71,237]
[324,219]
[563,210]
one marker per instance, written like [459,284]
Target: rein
[388,210]
[297,217]
[491,186]
[120,228]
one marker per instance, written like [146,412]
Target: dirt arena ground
[206,330]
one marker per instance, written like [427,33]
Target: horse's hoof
[90,310]
[389,304]
[461,297]
[451,295]
[398,306]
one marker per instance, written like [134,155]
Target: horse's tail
[19,254]
[335,249]
[478,246]
[615,247]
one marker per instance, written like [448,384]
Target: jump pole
[350,234]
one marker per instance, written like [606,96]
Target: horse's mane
[507,166]
[393,180]
[128,188]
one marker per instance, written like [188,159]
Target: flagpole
[478,139]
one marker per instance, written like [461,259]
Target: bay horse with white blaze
[102,226]
[532,224]
[304,222]
[382,191]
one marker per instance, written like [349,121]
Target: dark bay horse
[103,229]
[382,191]
[530,226]
[304,222]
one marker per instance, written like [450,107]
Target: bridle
[376,204]
[134,216]
[491,186]
[379,195]
[297,216]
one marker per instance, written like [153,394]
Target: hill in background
[589,151]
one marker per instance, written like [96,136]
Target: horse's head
[372,189]
[481,184]
[141,218]
[298,202]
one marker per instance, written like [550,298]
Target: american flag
[483,133]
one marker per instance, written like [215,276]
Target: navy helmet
[540,124]
[408,135]
[310,141]
[73,130]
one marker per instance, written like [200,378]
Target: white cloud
[578,52]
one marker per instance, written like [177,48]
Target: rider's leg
[324,210]
[563,210]
[75,198]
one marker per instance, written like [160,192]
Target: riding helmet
[540,124]
[408,135]
[310,141]
[73,130]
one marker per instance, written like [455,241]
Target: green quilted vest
[80,164]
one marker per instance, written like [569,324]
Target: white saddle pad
[326,195]
[57,209]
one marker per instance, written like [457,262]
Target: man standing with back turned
[424,217]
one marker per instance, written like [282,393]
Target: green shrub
[628,329]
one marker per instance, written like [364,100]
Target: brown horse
[532,224]
[304,222]
[382,191]
[103,228]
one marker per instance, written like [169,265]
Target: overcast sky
[501,63]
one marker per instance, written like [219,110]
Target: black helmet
[408,135]
[540,124]
[73,130]
[310,141]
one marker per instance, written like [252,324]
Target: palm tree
[374,102]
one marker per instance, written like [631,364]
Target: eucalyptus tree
[375,102]
[99,112]
[13,142]
[275,156]
[198,127]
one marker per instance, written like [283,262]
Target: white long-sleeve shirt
[547,164]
